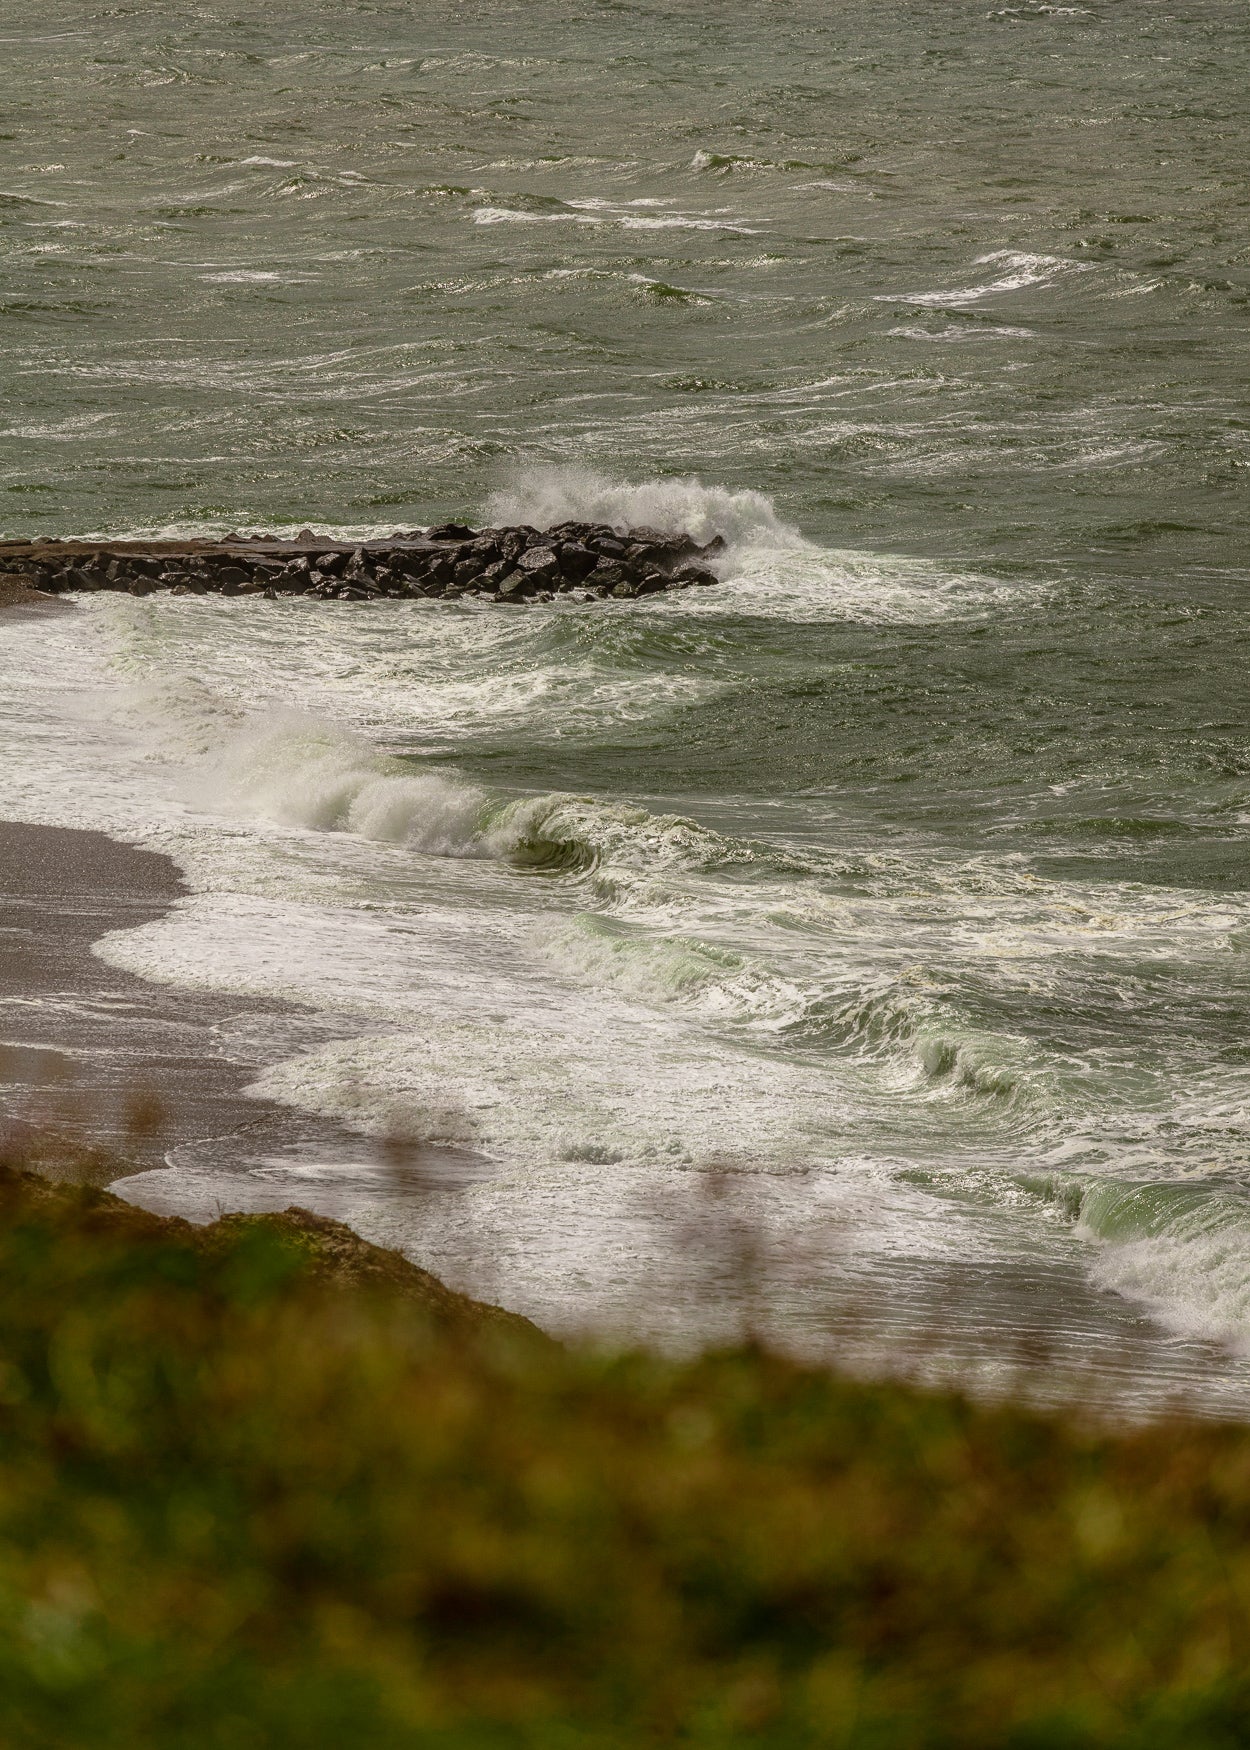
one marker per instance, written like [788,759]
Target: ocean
[855,952]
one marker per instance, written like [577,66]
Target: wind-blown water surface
[901,879]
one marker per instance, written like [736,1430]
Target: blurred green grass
[264,1485]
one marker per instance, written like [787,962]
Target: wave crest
[1183,1249]
[544,495]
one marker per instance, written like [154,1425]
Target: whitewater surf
[854,950]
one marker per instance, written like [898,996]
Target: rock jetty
[586,561]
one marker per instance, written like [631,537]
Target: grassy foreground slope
[262,1485]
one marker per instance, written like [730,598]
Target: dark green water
[939,313]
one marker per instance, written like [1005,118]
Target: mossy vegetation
[263,1485]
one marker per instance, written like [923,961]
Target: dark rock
[576,561]
[540,564]
[412,564]
[494,575]
[668,555]
[587,559]
[626,589]
[606,574]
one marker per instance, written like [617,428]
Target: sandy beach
[84,1046]
[142,1071]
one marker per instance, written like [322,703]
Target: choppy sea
[859,949]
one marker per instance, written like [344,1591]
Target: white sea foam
[247,276]
[964,332]
[509,216]
[771,568]
[298,770]
[545,494]
[601,212]
[651,1011]
[1021,270]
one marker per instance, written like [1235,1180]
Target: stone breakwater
[585,561]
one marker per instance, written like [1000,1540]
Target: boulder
[540,564]
[494,575]
[606,574]
[576,561]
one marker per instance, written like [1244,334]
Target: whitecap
[1022,270]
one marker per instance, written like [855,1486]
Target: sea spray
[545,495]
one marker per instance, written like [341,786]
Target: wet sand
[86,1048]
[82,1045]
[81,1042]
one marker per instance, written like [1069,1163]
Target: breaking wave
[1182,1248]
[542,496]
[300,771]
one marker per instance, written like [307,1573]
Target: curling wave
[1180,1247]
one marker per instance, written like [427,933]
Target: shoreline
[133,1070]
[88,1052]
